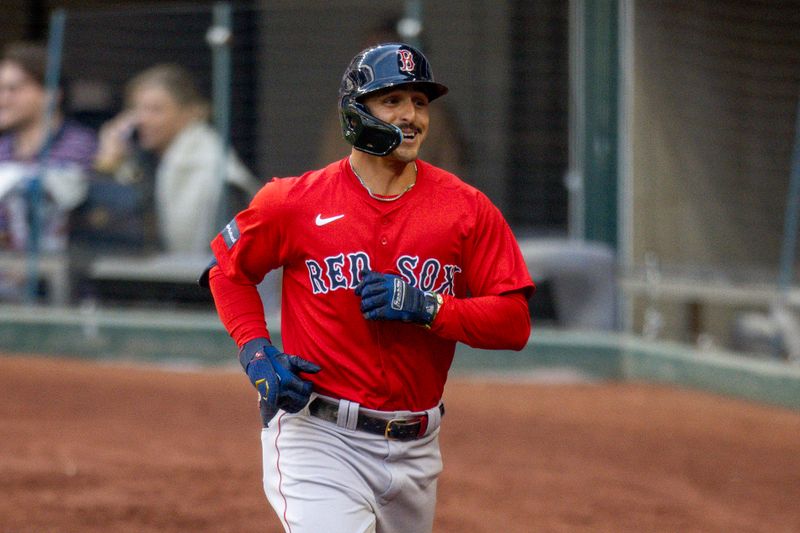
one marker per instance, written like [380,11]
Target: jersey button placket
[384,237]
[383,234]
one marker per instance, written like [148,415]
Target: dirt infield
[97,448]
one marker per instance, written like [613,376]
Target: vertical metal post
[788,340]
[600,139]
[219,38]
[625,193]
[789,247]
[55,46]
[573,181]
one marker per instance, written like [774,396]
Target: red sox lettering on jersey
[343,271]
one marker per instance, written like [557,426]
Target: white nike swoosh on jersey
[322,221]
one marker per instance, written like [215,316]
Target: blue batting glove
[274,374]
[389,297]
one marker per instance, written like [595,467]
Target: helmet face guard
[375,69]
[367,132]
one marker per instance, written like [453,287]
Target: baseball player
[387,262]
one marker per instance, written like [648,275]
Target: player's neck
[381,175]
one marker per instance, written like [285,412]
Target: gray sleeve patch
[230,234]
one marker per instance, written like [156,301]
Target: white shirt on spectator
[188,189]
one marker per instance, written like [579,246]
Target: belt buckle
[399,423]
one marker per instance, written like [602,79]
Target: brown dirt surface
[90,447]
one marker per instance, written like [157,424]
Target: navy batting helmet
[374,69]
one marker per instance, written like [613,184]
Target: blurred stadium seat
[579,282]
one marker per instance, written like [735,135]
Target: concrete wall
[180,339]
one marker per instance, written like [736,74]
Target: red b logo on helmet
[406,60]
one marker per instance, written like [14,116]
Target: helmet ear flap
[367,132]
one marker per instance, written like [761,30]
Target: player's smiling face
[406,108]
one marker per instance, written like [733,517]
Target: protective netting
[716,91]
[716,87]
[287,59]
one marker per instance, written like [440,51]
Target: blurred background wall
[716,88]
[505,63]
[714,128]
[674,120]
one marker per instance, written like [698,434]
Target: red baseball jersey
[323,229]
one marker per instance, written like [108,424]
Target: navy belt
[401,428]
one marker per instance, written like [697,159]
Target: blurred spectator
[445,145]
[44,165]
[68,147]
[162,142]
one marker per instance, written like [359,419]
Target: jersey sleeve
[239,307]
[254,242]
[492,258]
[495,313]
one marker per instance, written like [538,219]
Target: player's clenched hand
[389,297]
[274,375]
